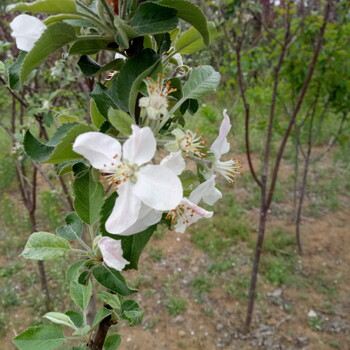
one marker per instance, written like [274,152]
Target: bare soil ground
[275,326]
[189,304]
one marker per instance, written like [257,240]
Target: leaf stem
[90,15]
[108,10]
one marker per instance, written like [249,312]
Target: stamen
[228,169]
[193,143]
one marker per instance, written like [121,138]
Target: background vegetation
[197,294]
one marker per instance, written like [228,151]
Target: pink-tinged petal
[207,192]
[26,30]
[158,187]
[140,147]
[189,214]
[220,146]
[175,162]
[147,217]
[99,149]
[112,253]
[126,210]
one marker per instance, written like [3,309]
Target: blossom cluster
[147,190]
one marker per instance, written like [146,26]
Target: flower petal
[190,214]
[207,192]
[158,187]
[147,217]
[126,210]
[119,56]
[26,30]
[220,146]
[140,147]
[99,149]
[112,253]
[174,162]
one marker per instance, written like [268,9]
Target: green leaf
[54,37]
[59,318]
[82,331]
[111,299]
[73,229]
[112,342]
[59,148]
[124,32]
[100,316]
[132,245]
[97,118]
[189,105]
[131,312]
[151,18]
[88,66]
[90,46]
[203,80]
[88,198]
[66,167]
[163,42]
[84,277]
[130,305]
[76,317]
[81,294]
[66,118]
[134,317]
[35,149]
[114,65]
[191,41]
[131,76]
[111,279]
[64,149]
[44,337]
[45,246]
[73,271]
[190,13]
[105,98]
[120,120]
[188,178]
[14,71]
[45,6]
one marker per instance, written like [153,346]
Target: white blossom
[26,30]
[228,169]
[112,253]
[140,186]
[156,103]
[188,212]
[188,142]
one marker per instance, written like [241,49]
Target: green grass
[335,344]
[176,305]
[156,254]
[239,287]
[220,266]
[316,323]
[278,242]
[201,285]
[278,270]
[227,227]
